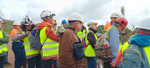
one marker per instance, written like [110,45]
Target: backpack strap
[109,29]
[44,41]
[47,37]
[79,39]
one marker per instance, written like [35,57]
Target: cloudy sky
[98,10]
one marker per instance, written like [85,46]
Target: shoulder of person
[90,33]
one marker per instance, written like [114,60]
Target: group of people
[57,43]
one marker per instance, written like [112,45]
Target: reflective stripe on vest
[89,51]
[3,47]
[1,50]
[26,43]
[50,47]
[45,49]
[81,34]
[50,42]
[28,50]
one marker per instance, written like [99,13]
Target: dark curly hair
[23,27]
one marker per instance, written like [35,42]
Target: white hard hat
[27,20]
[114,15]
[75,16]
[91,23]
[16,23]
[46,14]
[145,24]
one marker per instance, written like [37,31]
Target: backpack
[102,49]
[34,39]
[134,57]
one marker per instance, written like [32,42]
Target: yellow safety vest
[3,47]
[81,34]
[50,47]
[120,45]
[89,51]
[146,49]
[28,49]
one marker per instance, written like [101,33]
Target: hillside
[8,27]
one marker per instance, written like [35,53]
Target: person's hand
[112,64]
[123,32]
[28,32]
[0,26]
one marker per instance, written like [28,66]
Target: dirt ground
[11,57]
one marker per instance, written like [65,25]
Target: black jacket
[91,38]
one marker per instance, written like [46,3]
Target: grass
[8,27]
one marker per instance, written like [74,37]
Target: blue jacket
[135,55]
[141,39]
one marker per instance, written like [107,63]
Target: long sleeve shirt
[13,32]
[113,43]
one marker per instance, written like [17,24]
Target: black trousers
[107,65]
[2,59]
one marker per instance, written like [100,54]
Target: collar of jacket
[71,28]
[140,39]
[92,30]
[83,28]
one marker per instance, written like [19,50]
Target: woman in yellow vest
[91,41]
[33,56]
[3,40]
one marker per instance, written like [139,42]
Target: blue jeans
[34,61]
[91,62]
[2,59]
[54,62]
[47,63]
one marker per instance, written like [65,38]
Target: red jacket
[118,58]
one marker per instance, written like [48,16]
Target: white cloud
[98,10]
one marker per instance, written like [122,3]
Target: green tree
[100,28]
[123,11]
[135,31]
[8,27]
[127,36]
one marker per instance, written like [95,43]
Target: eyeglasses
[52,15]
